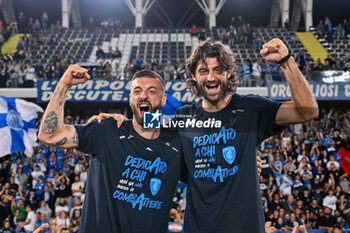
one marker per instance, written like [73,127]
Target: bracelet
[283,60]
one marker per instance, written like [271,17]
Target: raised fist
[75,75]
[274,50]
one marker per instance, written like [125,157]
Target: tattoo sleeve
[75,138]
[61,142]
[50,123]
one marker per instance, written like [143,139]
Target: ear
[193,76]
[164,96]
[229,72]
[129,99]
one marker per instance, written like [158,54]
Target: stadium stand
[53,180]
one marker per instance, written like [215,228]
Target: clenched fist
[274,50]
[75,75]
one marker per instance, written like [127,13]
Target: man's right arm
[52,130]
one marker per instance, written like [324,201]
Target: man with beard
[134,171]
[223,187]
[227,185]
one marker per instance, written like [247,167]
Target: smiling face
[146,94]
[211,80]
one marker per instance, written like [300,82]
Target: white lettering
[347,90]
[117,95]
[92,95]
[116,85]
[79,95]
[100,84]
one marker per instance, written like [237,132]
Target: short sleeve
[88,136]
[267,111]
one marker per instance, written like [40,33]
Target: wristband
[283,60]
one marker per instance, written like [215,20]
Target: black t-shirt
[131,180]
[223,186]
[326,221]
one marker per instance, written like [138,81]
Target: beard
[136,110]
[224,89]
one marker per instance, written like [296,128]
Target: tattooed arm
[52,130]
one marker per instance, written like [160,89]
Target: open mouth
[144,107]
[212,88]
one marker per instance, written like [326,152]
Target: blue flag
[283,181]
[171,105]
[17,125]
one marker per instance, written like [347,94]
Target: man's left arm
[303,106]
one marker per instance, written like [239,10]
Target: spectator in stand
[194,30]
[287,24]
[340,31]
[329,30]
[267,71]
[109,53]
[45,209]
[232,33]
[100,54]
[58,25]
[75,220]
[128,70]
[139,61]
[318,66]
[117,53]
[223,36]
[63,220]
[169,71]
[326,221]
[241,21]
[14,69]
[246,74]
[181,73]
[44,20]
[107,71]
[239,70]
[21,19]
[346,26]
[116,71]
[41,220]
[202,35]
[301,59]
[31,219]
[4,75]
[29,76]
[257,72]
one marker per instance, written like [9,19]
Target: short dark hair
[209,50]
[148,73]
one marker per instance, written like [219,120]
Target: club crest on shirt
[155,184]
[229,154]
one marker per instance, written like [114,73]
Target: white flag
[18,131]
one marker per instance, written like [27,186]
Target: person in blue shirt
[246,79]
[267,72]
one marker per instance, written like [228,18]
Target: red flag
[345,159]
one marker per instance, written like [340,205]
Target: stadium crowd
[48,187]
[16,70]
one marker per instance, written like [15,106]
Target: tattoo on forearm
[75,138]
[50,123]
[67,128]
[61,142]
